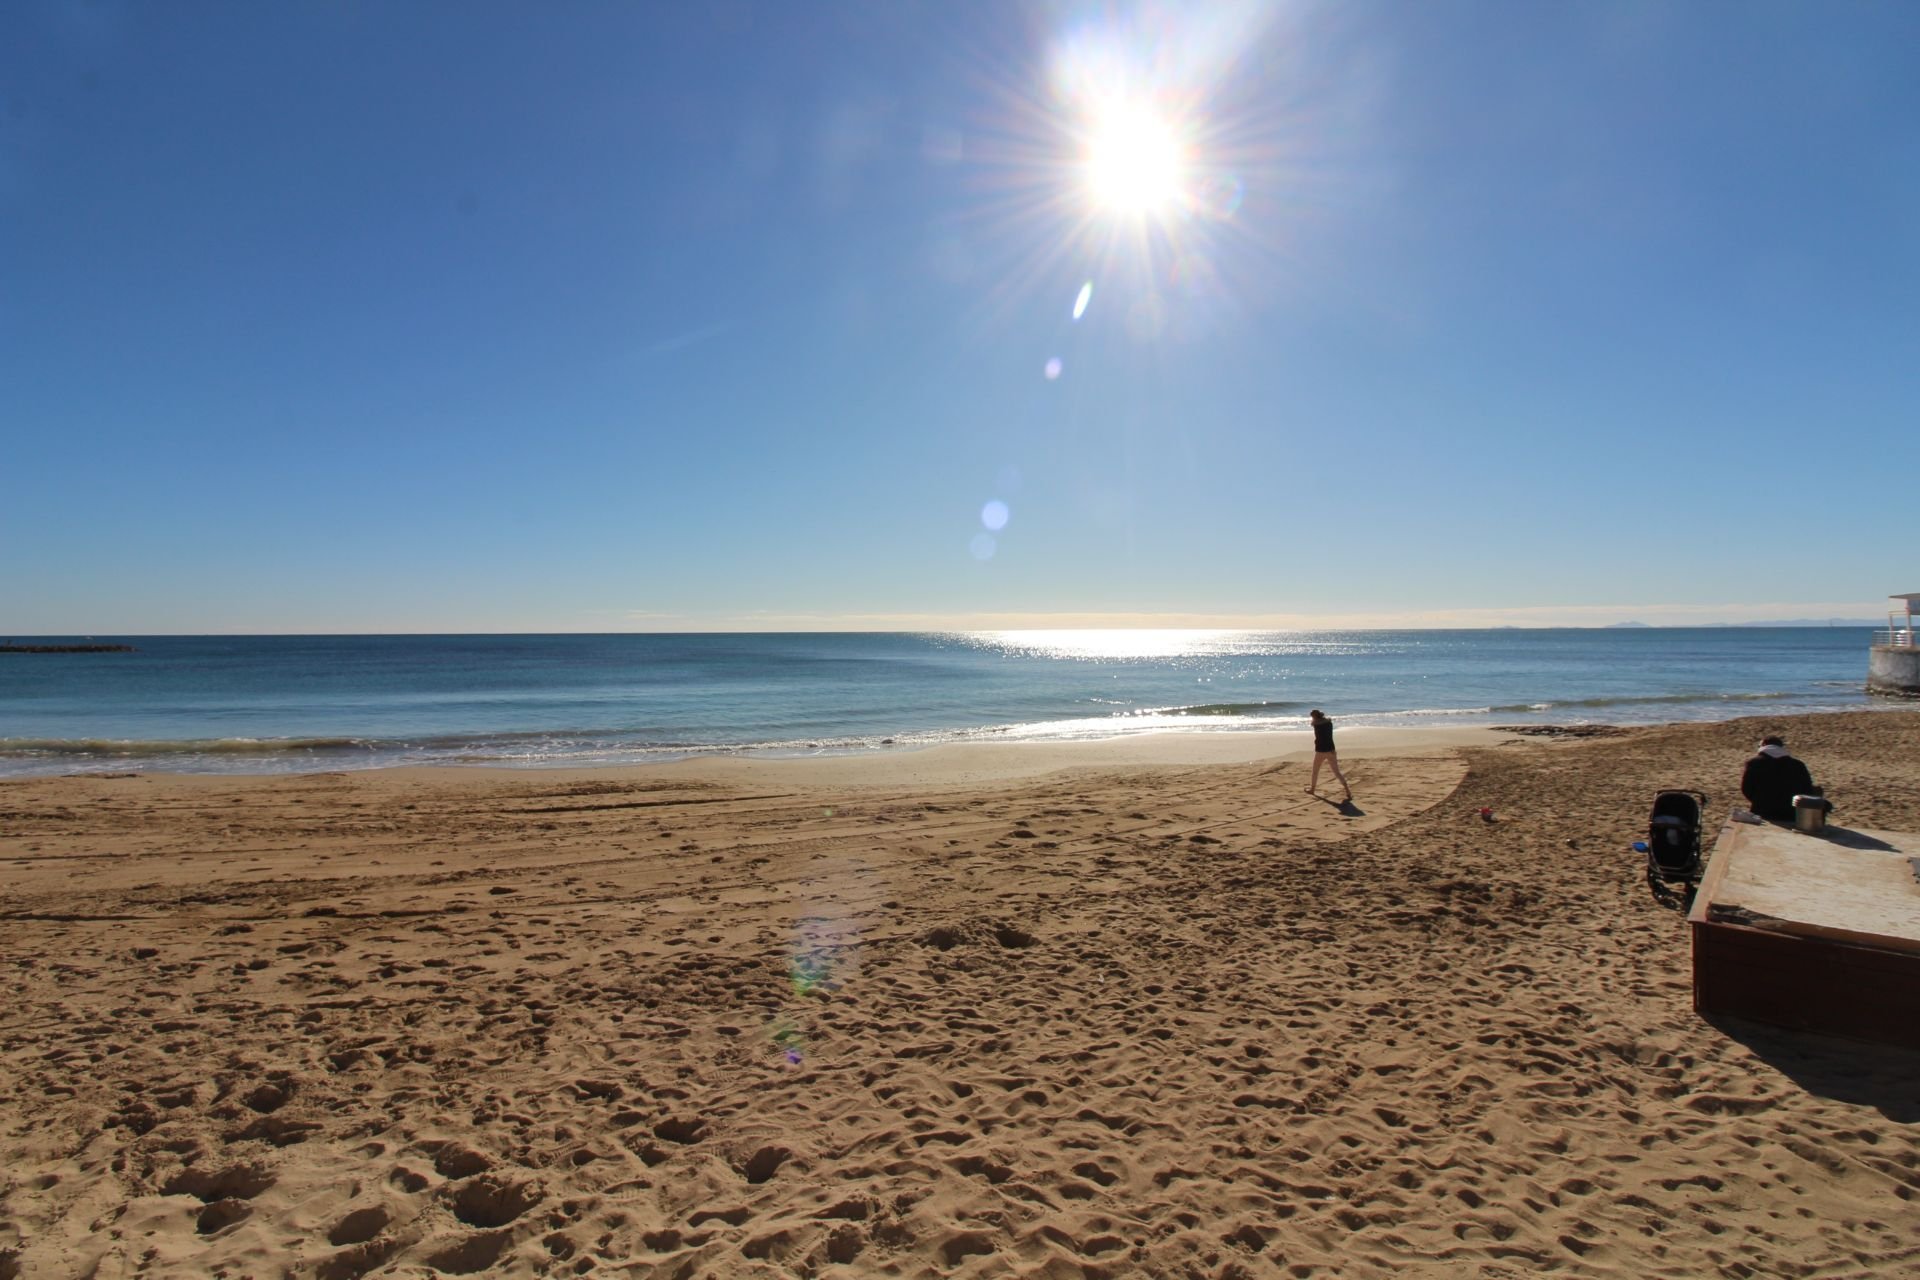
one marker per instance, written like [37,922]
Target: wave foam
[1642,700]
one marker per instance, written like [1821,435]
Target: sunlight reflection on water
[1120,643]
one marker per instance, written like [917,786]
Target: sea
[276,704]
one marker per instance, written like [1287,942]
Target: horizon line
[1795,624]
[662,622]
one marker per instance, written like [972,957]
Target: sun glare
[1141,167]
[1115,643]
[1136,165]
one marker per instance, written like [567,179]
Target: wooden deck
[1819,933]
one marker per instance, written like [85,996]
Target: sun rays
[1142,150]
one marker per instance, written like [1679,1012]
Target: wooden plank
[1808,984]
[1855,887]
[1717,859]
[1710,880]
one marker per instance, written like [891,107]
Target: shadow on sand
[1346,808]
[1884,1077]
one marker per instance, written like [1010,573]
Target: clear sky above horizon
[602,316]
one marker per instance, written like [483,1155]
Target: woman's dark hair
[1316,714]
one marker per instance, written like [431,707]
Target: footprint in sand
[494,1201]
[359,1226]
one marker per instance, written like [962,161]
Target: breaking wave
[1641,700]
[1218,709]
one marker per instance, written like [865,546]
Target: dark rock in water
[1562,730]
[66,648]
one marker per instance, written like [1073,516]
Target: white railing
[1896,637]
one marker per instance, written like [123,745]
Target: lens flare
[983,546]
[994,515]
[787,1040]
[1219,195]
[824,952]
[1080,303]
[1053,369]
[810,972]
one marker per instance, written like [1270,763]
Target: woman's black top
[1323,734]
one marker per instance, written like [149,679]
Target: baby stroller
[1672,846]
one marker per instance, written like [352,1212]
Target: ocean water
[264,704]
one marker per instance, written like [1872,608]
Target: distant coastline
[1778,622]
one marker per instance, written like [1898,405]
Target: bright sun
[1136,164]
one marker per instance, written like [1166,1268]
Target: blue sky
[447,317]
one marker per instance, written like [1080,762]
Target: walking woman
[1323,753]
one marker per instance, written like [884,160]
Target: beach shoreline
[1135,1007]
[281,705]
[979,761]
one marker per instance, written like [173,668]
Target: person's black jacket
[1771,782]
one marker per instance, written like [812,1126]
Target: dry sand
[934,1014]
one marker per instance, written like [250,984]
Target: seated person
[1773,778]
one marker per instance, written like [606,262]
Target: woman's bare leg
[1333,758]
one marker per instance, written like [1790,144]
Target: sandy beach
[1130,1009]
